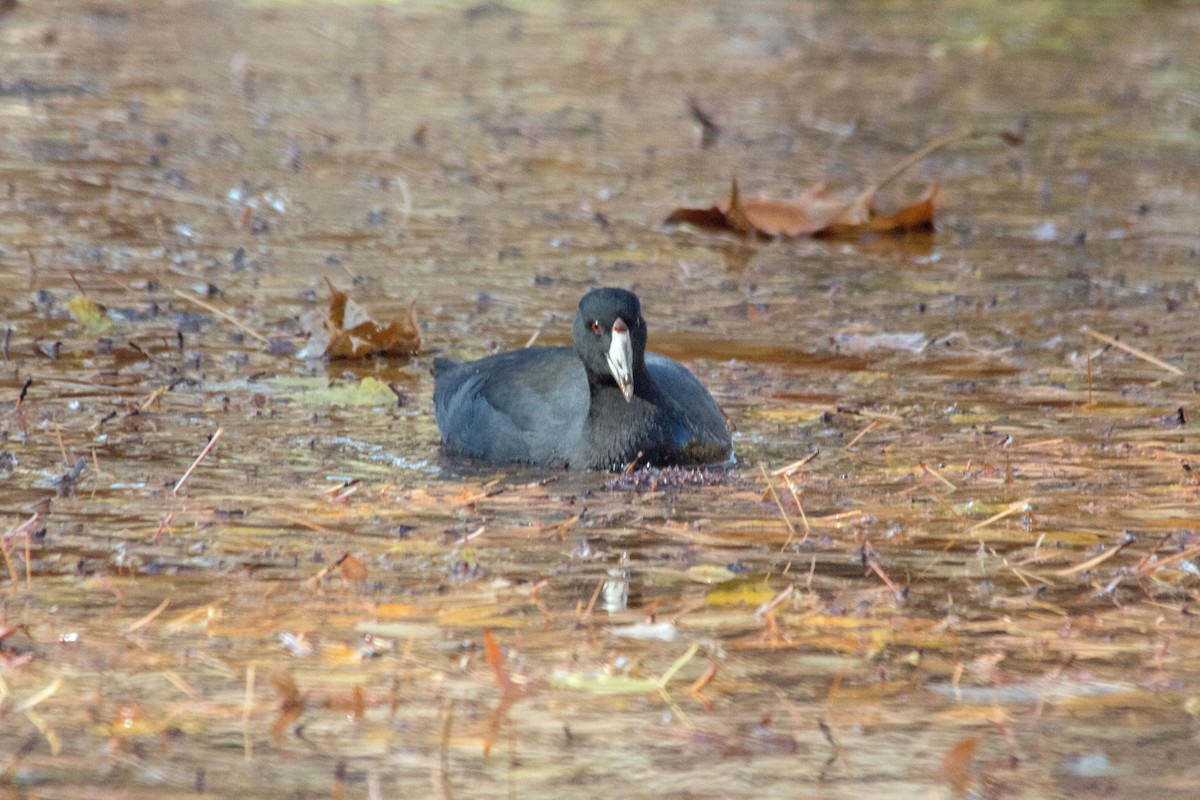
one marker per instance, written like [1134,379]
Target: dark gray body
[538,406]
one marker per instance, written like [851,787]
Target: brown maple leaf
[349,332]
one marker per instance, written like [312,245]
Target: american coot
[600,404]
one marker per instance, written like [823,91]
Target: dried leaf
[353,570]
[862,218]
[956,764]
[748,594]
[814,213]
[395,610]
[90,314]
[318,391]
[349,332]
[713,217]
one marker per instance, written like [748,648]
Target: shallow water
[493,161]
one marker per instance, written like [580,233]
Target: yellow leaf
[90,314]
[747,594]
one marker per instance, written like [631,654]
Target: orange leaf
[353,570]
[956,764]
[813,213]
[861,217]
[808,214]
[349,332]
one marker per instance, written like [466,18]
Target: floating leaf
[749,594]
[90,314]
[349,332]
[317,391]
[395,610]
[817,213]
[956,764]
[814,213]
[353,569]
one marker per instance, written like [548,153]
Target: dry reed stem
[209,307]
[1089,365]
[1146,569]
[870,426]
[28,565]
[1020,505]
[207,448]
[13,581]
[304,523]
[1092,562]
[883,576]
[1133,351]
[939,476]
[587,613]
[774,496]
[948,507]
[164,524]
[800,508]
[175,679]
[62,447]
[41,696]
[23,528]
[146,620]
[788,469]
[771,604]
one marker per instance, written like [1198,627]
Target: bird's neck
[604,388]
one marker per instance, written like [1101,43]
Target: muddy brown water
[492,161]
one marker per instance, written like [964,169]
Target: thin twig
[795,465]
[1133,351]
[771,488]
[1020,505]
[23,528]
[28,564]
[1089,379]
[1180,556]
[924,152]
[800,507]
[587,613]
[207,448]
[1093,562]
[209,307]
[939,476]
[870,426]
[146,620]
[774,602]
[873,564]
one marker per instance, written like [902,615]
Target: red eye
[596,327]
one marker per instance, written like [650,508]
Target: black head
[603,314]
